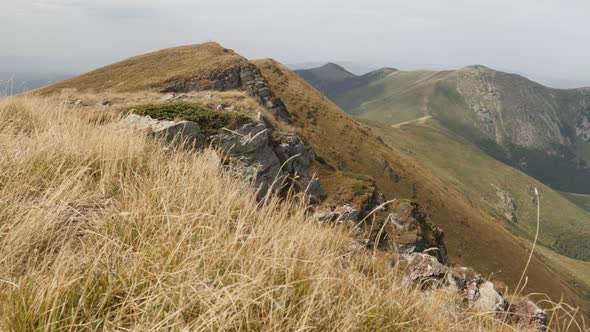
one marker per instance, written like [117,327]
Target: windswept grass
[101,229]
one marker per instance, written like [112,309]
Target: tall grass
[101,229]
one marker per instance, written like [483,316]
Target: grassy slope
[329,72]
[582,201]
[474,237]
[478,174]
[108,231]
[398,92]
[150,71]
[404,96]
[563,223]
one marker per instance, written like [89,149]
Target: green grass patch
[210,121]
[360,188]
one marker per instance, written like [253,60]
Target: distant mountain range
[12,83]
[543,131]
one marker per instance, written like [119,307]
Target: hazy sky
[545,37]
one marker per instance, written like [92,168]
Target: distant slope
[543,131]
[582,201]
[326,75]
[331,79]
[564,225]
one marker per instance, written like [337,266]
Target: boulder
[425,270]
[528,315]
[488,299]
[475,291]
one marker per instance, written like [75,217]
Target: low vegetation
[210,121]
[103,230]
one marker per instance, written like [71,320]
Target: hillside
[507,192]
[106,230]
[473,235]
[540,130]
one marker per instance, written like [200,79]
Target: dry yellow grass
[151,71]
[101,229]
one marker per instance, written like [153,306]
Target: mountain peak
[334,66]
[476,68]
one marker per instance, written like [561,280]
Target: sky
[542,38]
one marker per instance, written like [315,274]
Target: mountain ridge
[475,238]
[515,119]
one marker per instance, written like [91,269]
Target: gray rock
[425,270]
[528,315]
[477,292]
[315,189]
[173,132]
[296,159]
[250,147]
[507,204]
[409,230]
[488,298]
[244,76]
[339,214]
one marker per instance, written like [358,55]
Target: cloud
[525,35]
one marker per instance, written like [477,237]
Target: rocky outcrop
[250,151]
[187,132]
[296,157]
[409,230]
[256,85]
[477,293]
[507,204]
[244,76]
[271,165]
[340,214]
[425,270]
